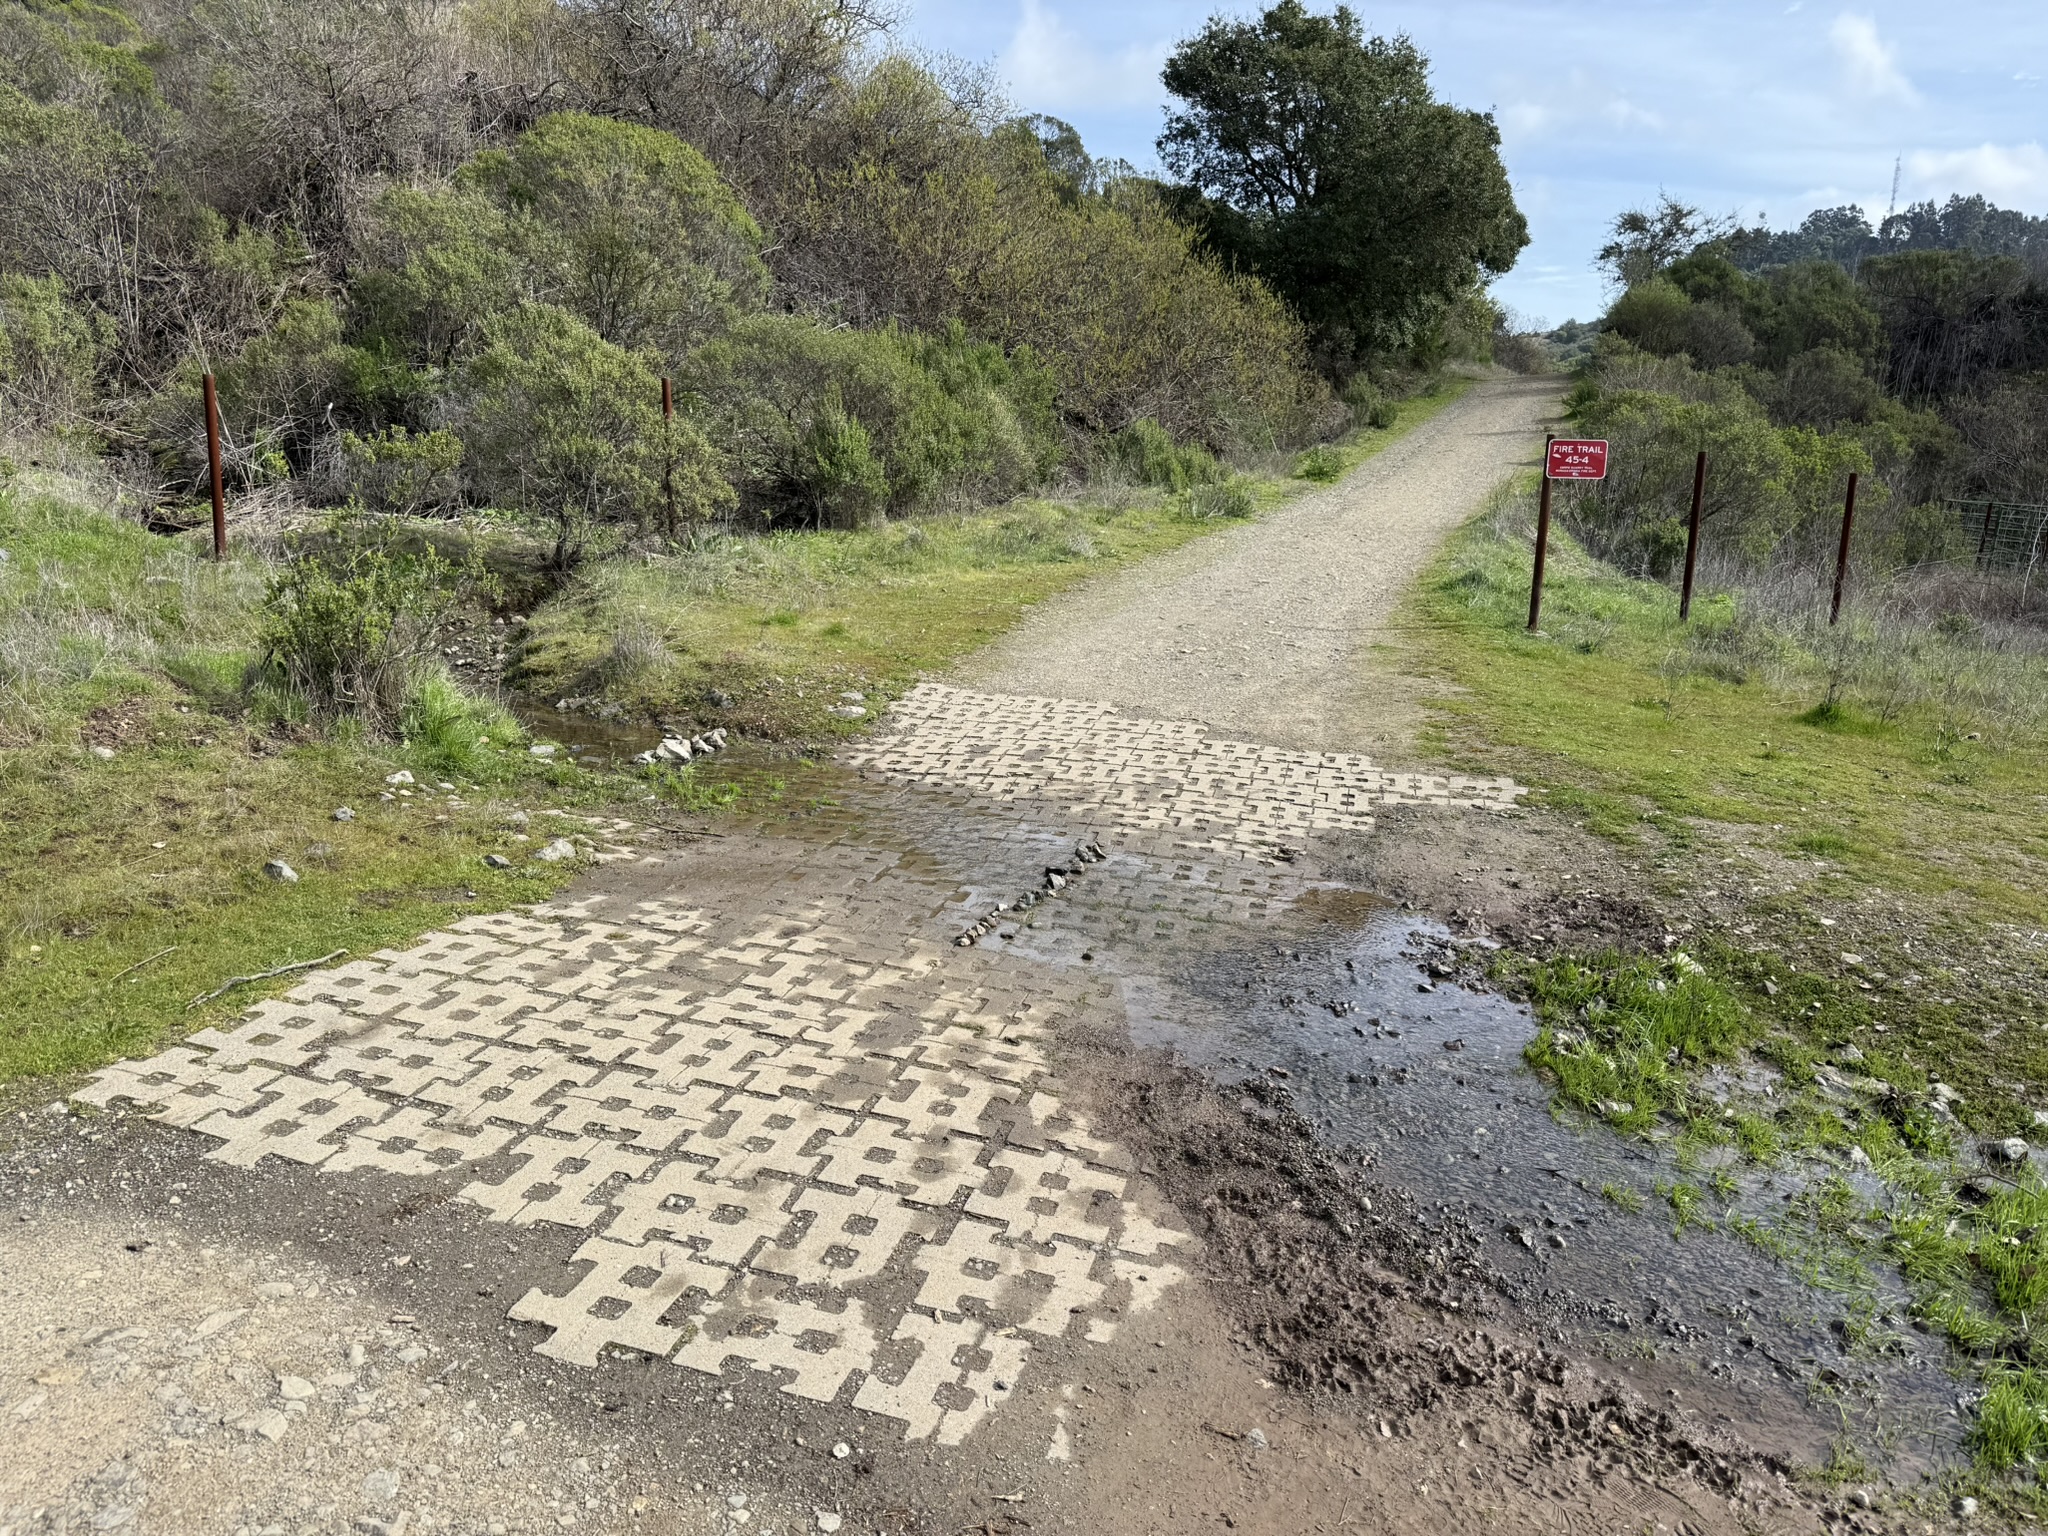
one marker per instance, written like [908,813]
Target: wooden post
[220,505]
[1692,535]
[668,451]
[1842,554]
[1542,538]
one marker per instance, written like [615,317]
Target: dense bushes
[1911,373]
[837,425]
[435,263]
[1775,489]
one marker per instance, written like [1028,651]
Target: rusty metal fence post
[220,505]
[1542,538]
[1842,554]
[1692,535]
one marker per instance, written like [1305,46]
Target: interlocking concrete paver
[758,1113]
[1165,780]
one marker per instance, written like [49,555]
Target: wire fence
[2008,535]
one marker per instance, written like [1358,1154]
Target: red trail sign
[1576,458]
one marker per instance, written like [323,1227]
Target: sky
[1758,109]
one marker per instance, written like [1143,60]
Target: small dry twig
[235,981]
[145,960]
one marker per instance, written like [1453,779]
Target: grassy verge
[783,625]
[1850,871]
[144,796]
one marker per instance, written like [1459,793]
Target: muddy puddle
[586,737]
[1339,1007]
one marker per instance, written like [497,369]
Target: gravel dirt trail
[1259,631]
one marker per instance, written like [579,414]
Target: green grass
[1621,1037]
[1898,831]
[132,884]
[784,624]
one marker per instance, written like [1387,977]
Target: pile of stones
[678,750]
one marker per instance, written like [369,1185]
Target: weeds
[1619,1035]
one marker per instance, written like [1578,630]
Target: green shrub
[1226,498]
[402,472]
[50,351]
[839,472]
[351,626]
[625,227]
[1322,463]
[938,417]
[563,425]
[1147,453]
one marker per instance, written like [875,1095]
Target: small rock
[381,1486]
[735,1501]
[1850,1056]
[1256,1438]
[518,819]
[720,699]
[555,852]
[294,1389]
[274,1290]
[403,776]
[1966,1507]
[854,696]
[828,1521]
[2013,1149]
[344,814]
[1454,1045]
[841,1451]
[848,711]
[270,1424]
[1858,1158]
[104,754]
[1557,1240]
[496,861]
[281,872]
[541,749]
[1852,959]
[412,1354]
[1613,1108]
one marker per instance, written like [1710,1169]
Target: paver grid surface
[803,1130]
[1167,782]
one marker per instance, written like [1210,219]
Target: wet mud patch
[1359,1032]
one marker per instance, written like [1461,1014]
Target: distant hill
[1846,236]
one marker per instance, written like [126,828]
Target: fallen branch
[236,981]
[138,965]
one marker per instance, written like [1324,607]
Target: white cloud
[2011,175]
[1871,63]
[1049,67]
